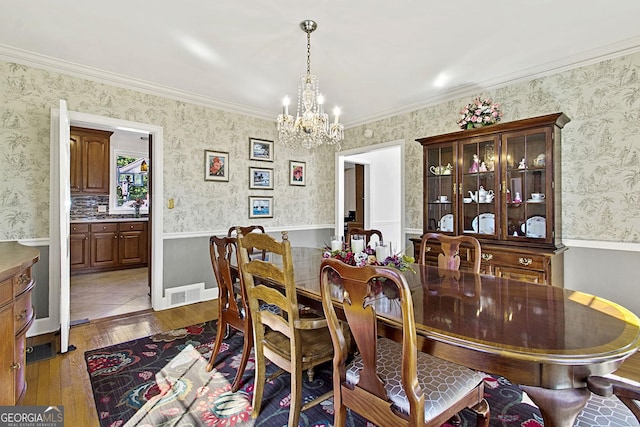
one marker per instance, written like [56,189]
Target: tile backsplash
[86,207]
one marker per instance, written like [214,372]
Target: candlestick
[285,105]
[336,111]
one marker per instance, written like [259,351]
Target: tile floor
[111,293]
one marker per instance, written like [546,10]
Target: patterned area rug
[161,381]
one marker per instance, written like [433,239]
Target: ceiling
[374,58]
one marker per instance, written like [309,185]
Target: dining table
[546,339]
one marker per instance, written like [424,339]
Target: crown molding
[11,54]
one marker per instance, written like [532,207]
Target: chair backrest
[449,257]
[367,233]
[244,230]
[222,250]
[357,293]
[629,394]
[259,275]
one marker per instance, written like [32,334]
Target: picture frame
[216,165]
[260,149]
[261,178]
[260,207]
[297,173]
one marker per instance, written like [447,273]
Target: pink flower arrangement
[479,113]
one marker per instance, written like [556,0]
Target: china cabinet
[500,184]
[89,156]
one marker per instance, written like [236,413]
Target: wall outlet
[102,208]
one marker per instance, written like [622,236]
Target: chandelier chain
[308,52]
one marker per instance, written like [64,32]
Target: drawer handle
[428,249]
[15,366]
[131,227]
[525,261]
[486,256]
[22,314]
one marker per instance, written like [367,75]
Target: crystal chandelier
[311,126]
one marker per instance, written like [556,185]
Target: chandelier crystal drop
[311,126]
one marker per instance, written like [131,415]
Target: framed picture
[260,149]
[260,207]
[216,166]
[261,178]
[297,173]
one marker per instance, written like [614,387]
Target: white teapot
[485,196]
[474,196]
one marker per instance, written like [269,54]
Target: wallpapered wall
[28,95]
[600,146]
[601,150]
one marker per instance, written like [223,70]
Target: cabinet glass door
[440,179]
[529,195]
[479,190]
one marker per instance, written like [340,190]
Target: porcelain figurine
[475,166]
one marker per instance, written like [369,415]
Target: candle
[336,111]
[357,244]
[285,105]
[382,252]
[336,245]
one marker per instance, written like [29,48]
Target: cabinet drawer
[79,228]
[514,259]
[102,227]
[521,274]
[22,282]
[23,311]
[19,366]
[6,292]
[132,226]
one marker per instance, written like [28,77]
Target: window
[129,181]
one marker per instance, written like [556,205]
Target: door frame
[157,197]
[352,156]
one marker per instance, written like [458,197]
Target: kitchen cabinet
[103,246]
[89,156]
[502,185]
[16,317]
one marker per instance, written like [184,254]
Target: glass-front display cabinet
[500,184]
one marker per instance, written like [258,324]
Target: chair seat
[314,342]
[605,412]
[432,374]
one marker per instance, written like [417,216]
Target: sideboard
[16,316]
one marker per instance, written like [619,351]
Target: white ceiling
[373,57]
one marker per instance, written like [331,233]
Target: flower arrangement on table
[368,257]
[137,204]
[479,113]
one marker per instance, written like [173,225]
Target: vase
[136,212]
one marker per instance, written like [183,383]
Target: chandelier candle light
[311,126]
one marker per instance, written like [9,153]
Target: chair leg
[311,374]
[455,420]
[246,352]
[258,384]
[222,325]
[482,413]
[296,395]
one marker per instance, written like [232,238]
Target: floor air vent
[185,294]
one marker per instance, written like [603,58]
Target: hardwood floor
[110,293]
[64,381]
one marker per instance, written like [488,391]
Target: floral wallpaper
[600,150]
[600,145]
[28,95]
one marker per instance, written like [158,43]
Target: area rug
[161,381]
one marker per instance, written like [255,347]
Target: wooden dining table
[546,339]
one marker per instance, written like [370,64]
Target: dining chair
[449,257]
[233,310]
[292,339]
[390,383]
[233,231]
[605,407]
[367,233]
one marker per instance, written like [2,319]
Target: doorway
[383,189]
[60,285]
[117,290]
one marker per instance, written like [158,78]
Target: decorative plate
[536,226]
[446,223]
[484,223]
[535,201]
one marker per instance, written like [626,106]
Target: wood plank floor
[64,381]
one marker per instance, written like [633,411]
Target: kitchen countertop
[108,219]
